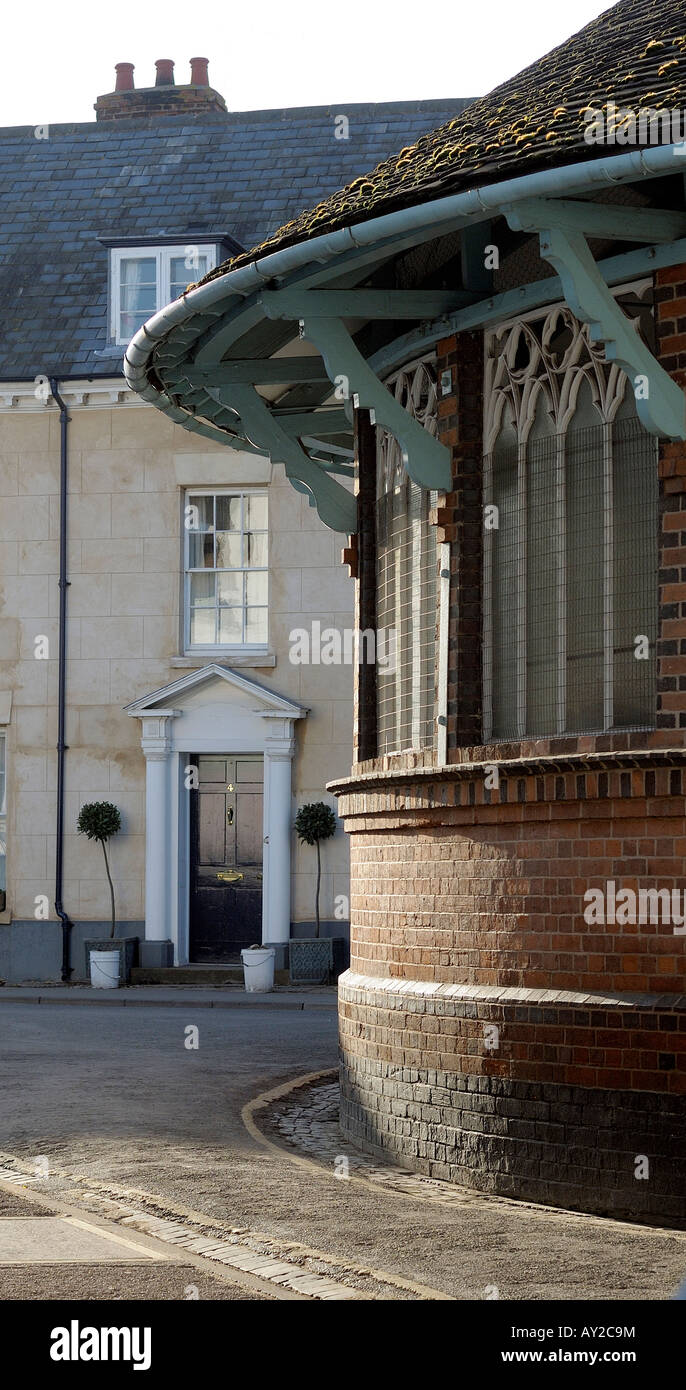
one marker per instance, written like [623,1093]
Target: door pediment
[216,709]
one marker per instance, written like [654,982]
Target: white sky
[58,57]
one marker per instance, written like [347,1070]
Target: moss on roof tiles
[632,55]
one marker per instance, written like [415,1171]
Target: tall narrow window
[406,582]
[570,582]
[3,820]
[227,579]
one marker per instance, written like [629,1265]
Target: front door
[226,857]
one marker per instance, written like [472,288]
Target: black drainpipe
[62,685]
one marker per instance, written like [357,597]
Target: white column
[156,746]
[276,910]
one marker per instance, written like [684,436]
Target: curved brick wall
[468,917]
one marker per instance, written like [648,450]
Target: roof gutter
[425,218]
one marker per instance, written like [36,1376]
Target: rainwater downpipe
[63,583]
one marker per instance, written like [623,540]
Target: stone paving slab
[60,1239]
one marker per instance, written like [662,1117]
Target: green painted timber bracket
[660,401]
[427,461]
[336,506]
[613,220]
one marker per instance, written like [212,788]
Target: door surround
[211,710]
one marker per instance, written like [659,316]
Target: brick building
[501,312]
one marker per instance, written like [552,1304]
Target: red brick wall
[460,521]
[448,888]
[603,1047]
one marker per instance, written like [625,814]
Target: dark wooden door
[226,857]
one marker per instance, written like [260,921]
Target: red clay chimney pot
[164,68]
[199,77]
[124,82]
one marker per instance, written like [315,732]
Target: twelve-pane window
[226,569]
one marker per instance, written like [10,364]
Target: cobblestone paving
[308,1124]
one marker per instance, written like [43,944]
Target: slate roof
[633,54]
[240,175]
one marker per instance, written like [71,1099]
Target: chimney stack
[127,102]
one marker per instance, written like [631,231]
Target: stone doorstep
[195,976]
[182,975]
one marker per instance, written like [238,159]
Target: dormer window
[145,278]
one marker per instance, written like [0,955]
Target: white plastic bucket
[104,969]
[258,970]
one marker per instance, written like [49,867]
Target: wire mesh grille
[570,591]
[406,606]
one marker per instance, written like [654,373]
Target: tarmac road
[116,1094]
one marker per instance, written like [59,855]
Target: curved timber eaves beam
[660,401]
[336,506]
[427,461]
[615,270]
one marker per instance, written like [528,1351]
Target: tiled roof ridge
[633,53]
[105,130]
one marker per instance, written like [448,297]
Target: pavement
[157,1123]
[175,996]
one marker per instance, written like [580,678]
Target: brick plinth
[446,1109]
[490,1034]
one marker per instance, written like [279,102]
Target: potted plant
[109,962]
[311,958]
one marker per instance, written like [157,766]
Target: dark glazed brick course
[565,1146]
